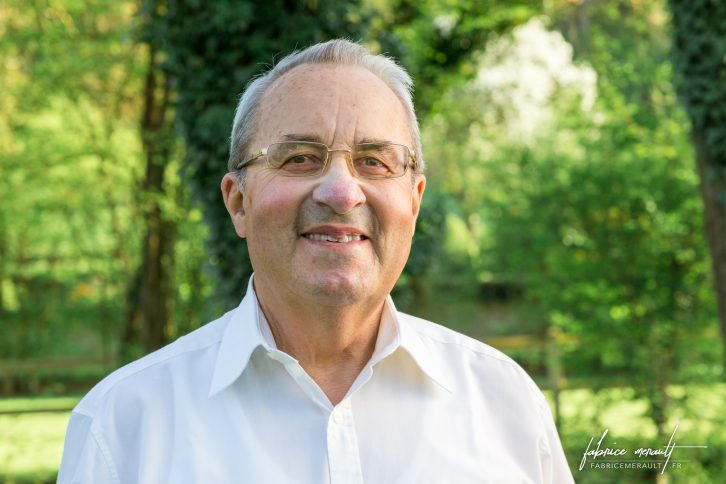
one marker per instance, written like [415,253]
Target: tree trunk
[4,248]
[699,50]
[713,191]
[149,294]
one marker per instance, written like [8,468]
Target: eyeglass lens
[373,160]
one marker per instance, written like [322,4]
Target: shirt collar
[241,337]
[248,329]
[409,339]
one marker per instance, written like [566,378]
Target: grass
[31,443]
[36,404]
[699,411]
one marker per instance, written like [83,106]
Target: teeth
[343,239]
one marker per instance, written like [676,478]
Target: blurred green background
[563,221]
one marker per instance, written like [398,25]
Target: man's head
[333,237]
[336,52]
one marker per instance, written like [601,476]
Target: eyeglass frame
[326,163]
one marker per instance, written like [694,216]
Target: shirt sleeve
[86,459]
[554,465]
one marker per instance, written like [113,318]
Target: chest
[375,437]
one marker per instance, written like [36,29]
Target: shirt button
[338,417]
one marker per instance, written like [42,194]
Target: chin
[336,288]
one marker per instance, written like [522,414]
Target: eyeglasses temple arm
[252,158]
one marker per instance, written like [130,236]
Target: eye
[301,163]
[299,159]
[369,165]
[372,162]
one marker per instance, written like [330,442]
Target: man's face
[284,218]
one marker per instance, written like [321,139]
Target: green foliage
[60,252]
[696,410]
[70,170]
[699,59]
[436,40]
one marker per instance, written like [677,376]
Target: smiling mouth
[340,239]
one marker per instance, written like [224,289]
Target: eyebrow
[314,138]
[374,141]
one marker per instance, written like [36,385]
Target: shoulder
[157,372]
[112,427]
[462,355]
[495,396]
[442,335]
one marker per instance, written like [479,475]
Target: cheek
[395,213]
[272,212]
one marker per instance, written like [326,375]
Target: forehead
[338,104]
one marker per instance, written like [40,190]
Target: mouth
[343,239]
[338,235]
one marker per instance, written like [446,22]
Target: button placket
[343,452]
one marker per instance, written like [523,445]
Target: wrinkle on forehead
[345,127]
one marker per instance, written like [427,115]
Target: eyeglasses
[309,159]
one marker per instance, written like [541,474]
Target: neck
[332,343]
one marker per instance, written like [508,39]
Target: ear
[419,185]
[233,200]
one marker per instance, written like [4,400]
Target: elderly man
[315,377]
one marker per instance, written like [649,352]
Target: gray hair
[337,51]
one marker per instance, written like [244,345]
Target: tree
[91,198]
[67,152]
[581,190]
[149,290]
[699,58]
[437,40]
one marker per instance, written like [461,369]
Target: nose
[338,188]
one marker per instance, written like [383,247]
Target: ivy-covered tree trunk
[157,245]
[699,55]
[148,304]
[713,191]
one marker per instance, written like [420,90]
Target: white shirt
[223,405]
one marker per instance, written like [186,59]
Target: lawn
[31,445]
